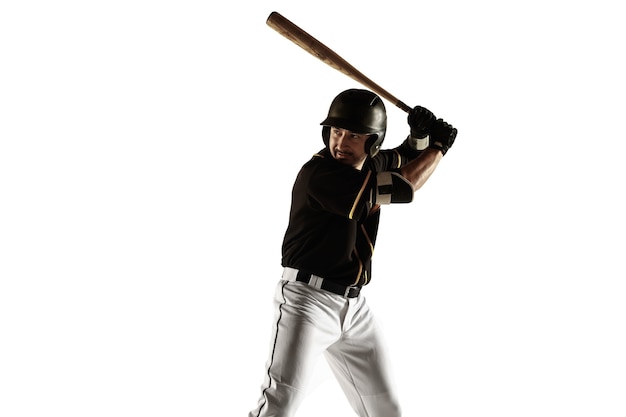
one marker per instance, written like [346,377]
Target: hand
[442,135]
[420,119]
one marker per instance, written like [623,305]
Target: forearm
[420,169]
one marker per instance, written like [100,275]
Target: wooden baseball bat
[322,52]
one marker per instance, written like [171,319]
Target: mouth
[342,155]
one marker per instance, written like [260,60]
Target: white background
[147,154]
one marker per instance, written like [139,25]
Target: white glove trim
[419,144]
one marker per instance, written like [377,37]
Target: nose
[341,139]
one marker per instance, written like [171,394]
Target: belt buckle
[347,291]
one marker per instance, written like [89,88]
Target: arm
[399,185]
[435,137]
[420,169]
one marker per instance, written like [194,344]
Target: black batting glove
[420,120]
[442,135]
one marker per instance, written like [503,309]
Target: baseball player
[319,304]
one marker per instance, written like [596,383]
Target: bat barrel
[322,52]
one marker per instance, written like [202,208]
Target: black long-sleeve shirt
[334,215]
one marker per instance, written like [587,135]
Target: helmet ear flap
[373,144]
[326,134]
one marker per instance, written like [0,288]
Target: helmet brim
[346,124]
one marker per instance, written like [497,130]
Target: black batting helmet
[360,111]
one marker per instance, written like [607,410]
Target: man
[327,250]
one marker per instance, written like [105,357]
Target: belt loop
[290,274]
[316,282]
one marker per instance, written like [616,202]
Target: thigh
[306,324]
[361,365]
[361,358]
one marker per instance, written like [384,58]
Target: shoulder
[321,160]
[385,160]
[324,171]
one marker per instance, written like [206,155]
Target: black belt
[292,274]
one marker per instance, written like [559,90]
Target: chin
[344,161]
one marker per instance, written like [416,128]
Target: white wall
[146,159]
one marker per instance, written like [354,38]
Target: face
[348,147]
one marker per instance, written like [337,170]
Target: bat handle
[399,104]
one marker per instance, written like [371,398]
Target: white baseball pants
[310,322]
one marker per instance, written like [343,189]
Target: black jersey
[334,216]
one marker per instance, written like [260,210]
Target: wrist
[418,143]
[437,145]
